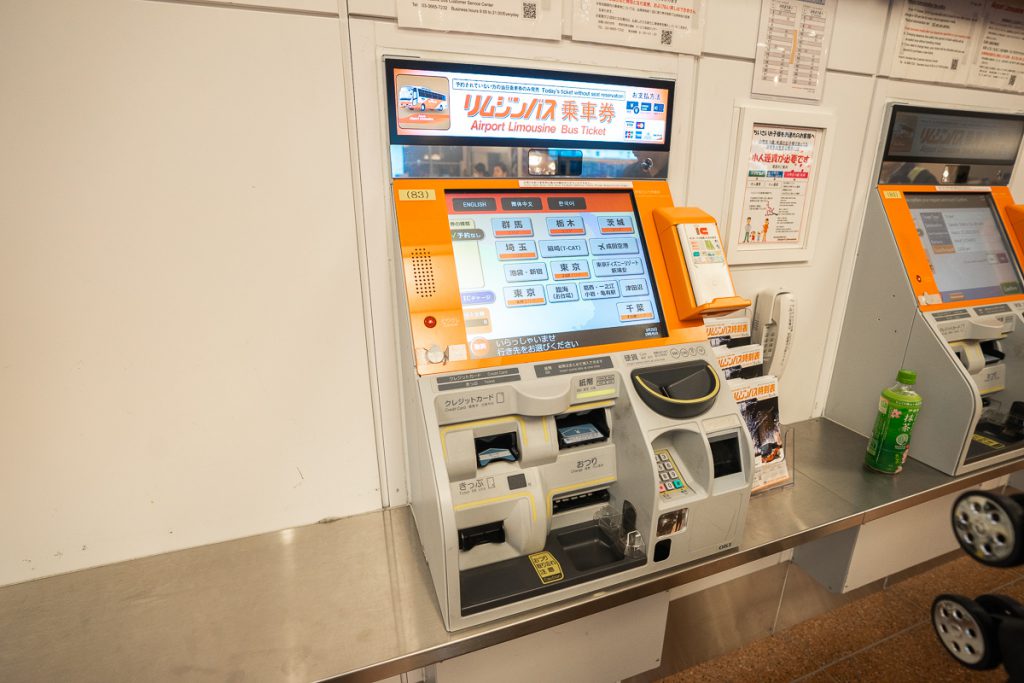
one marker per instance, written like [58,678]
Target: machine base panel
[572,555]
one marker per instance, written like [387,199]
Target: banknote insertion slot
[582,428]
[576,500]
[492,532]
[993,352]
[502,447]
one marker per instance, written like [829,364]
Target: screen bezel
[1000,227]
[662,326]
[396,138]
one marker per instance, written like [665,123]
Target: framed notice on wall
[780,165]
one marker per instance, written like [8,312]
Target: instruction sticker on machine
[547,567]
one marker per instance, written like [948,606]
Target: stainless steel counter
[352,600]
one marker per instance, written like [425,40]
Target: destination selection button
[526,272]
[563,248]
[614,245]
[631,311]
[474,204]
[565,225]
[634,288]
[615,225]
[519,249]
[531,295]
[563,292]
[616,267]
[575,269]
[599,290]
[512,226]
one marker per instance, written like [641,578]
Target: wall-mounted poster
[1000,60]
[792,48]
[779,166]
[523,18]
[667,25]
[935,39]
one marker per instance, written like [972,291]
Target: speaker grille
[423,272]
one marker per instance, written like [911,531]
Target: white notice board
[666,25]
[935,40]
[780,165]
[521,18]
[792,48]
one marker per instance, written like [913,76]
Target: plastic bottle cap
[906,377]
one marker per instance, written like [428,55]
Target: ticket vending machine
[566,428]
[937,288]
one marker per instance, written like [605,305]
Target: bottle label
[890,438]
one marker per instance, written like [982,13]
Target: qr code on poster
[954,64]
[666,37]
[529,10]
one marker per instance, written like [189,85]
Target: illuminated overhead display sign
[433,103]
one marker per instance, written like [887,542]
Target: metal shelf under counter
[352,600]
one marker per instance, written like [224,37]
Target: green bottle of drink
[897,411]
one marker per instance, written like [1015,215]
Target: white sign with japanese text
[999,63]
[523,18]
[792,48]
[667,25]
[935,39]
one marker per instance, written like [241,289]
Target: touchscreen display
[966,245]
[546,271]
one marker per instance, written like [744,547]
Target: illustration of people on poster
[776,197]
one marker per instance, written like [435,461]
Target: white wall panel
[720,83]
[182,358]
[858,36]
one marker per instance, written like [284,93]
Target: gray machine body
[885,330]
[549,489]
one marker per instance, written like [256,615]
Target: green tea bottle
[897,410]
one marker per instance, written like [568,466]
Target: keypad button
[661,488]
[665,476]
[678,484]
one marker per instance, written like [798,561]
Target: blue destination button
[478,298]
[563,248]
[525,272]
[563,292]
[614,245]
[475,204]
[634,287]
[600,290]
[616,267]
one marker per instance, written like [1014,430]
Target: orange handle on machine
[666,220]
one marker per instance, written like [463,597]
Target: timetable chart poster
[547,271]
[463,107]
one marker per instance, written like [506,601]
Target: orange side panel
[432,287]
[915,259]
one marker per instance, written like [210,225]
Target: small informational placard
[999,63]
[667,25]
[780,163]
[758,399]
[523,18]
[792,48]
[936,38]
[461,104]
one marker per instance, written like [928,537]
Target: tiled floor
[885,636]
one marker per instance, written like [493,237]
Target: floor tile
[768,660]
[915,655]
[849,628]
[963,575]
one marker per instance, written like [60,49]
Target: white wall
[181,350]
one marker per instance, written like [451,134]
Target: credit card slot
[492,532]
[582,429]
[574,501]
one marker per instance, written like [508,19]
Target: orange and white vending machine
[938,289]
[565,424]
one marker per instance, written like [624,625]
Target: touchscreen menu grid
[551,270]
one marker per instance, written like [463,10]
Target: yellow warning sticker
[547,567]
[891,194]
[416,195]
[985,441]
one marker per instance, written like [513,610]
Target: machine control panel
[669,478]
